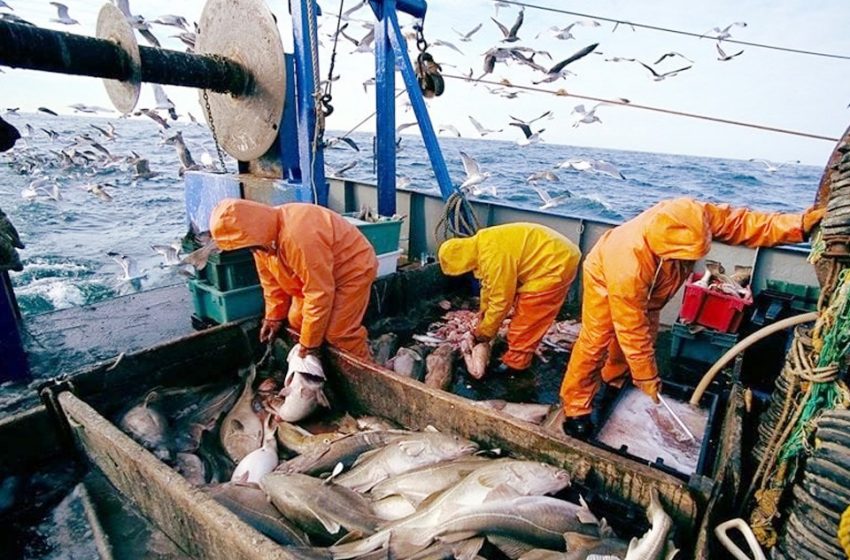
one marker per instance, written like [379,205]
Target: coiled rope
[458,219]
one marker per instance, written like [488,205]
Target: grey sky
[765,87]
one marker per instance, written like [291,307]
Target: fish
[439,366]
[198,258]
[476,358]
[403,455]
[500,479]
[581,547]
[303,393]
[384,347]
[529,412]
[393,507]
[191,467]
[323,456]
[148,426]
[241,430]
[323,509]
[417,485]
[297,439]
[654,544]
[408,363]
[260,462]
[251,505]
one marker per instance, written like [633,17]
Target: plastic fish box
[227,270]
[388,263]
[384,234]
[225,306]
[712,308]
[804,298]
[635,427]
[700,345]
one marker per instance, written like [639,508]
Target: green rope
[818,247]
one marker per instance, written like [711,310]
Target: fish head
[450,446]
[536,479]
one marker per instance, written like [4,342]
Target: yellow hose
[844,531]
[743,345]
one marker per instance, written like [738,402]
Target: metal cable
[679,32]
[565,93]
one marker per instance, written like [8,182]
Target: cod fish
[580,547]
[241,429]
[260,462]
[439,365]
[496,480]
[191,467]
[654,544]
[408,363]
[323,509]
[323,456]
[529,412]
[415,486]
[403,455]
[297,439]
[476,358]
[384,347]
[302,393]
[148,426]
[393,507]
[251,505]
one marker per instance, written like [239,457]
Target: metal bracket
[49,392]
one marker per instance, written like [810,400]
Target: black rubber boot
[579,427]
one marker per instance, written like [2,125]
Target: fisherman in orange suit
[316,269]
[525,266]
[633,271]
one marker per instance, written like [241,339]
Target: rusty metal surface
[246,126]
[113,26]
[372,390]
[825,186]
[193,520]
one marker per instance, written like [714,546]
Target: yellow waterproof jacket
[314,250]
[510,259]
[642,263]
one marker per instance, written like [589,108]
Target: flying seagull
[659,77]
[128,267]
[564,33]
[771,167]
[481,130]
[670,55]
[548,201]
[530,138]
[334,141]
[64,18]
[560,70]
[541,176]
[466,37]
[587,117]
[722,56]
[163,102]
[724,33]
[474,176]
[511,34]
[48,111]
[592,165]
[448,128]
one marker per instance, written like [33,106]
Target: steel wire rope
[565,93]
[678,31]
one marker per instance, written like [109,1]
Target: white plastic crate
[388,263]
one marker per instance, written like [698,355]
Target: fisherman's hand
[811,218]
[269,329]
[651,387]
[479,338]
[303,351]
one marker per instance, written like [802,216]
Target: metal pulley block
[428,73]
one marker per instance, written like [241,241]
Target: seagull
[187,38]
[108,134]
[12,110]
[98,191]
[723,57]
[592,165]
[474,176]
[163,102]
[448,128]
[170,253]
[48,111]
[441,43]
[498,5]
[547,115]
[51,133]
[174,21]
[193,119]
[142,170]
[542,176]
[670,55]
[724,33]
[153,115]
[368,82]
[560,70]
[771,167]
[331,142]
[564,33]
[5,5]
[82,108]
[346,15]
[64,18]
[341,171]
[402,126]
[511,35]
[659,77]
[187,163]
[617,24]
[530,138]
[548,201]
[481,130]
[466,37]
[587,117]
[128,267]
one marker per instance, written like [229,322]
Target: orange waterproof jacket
[314,250]
[510,259]
[643,262]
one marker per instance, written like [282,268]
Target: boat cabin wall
[424,210]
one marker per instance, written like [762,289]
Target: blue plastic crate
[699,345]
[223,307]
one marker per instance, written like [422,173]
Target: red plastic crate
[711,308]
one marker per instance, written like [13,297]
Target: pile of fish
[735,284]
[370,490]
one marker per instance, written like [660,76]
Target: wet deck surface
[64,341]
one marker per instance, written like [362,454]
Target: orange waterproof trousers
[534,313]
[596,351]
[345,330]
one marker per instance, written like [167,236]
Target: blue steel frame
[391,51]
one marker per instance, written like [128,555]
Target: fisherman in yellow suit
[527,267]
